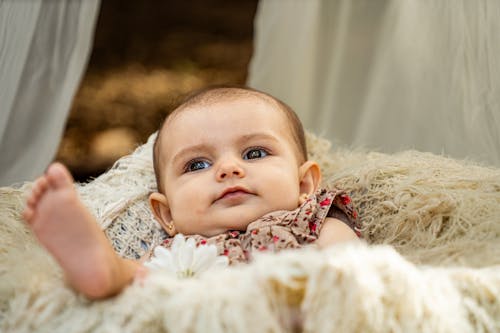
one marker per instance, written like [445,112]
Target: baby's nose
[229,169]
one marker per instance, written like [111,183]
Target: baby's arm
[335,231]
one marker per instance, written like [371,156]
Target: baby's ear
[161,210]
[310,177]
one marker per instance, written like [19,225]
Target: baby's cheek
[180,210]
[189,214]
[198,212]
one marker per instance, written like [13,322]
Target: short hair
[214,94]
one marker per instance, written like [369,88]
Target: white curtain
[44,47]
[386,74]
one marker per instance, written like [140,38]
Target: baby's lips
[232,191]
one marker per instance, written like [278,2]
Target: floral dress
[282,229]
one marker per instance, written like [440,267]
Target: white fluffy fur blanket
[430,263]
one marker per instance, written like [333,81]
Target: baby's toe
[32,201]
[58,176]
[28,213]
[39,187]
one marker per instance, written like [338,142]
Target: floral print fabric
[284,229]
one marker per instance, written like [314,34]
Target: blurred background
[384,75]
[146,54]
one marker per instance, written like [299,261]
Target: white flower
[185,259]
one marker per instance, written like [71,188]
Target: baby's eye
[255,153]
[196,165]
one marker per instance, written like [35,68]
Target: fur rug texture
[430,260]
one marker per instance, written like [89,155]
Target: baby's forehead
[176,122]
[202,108]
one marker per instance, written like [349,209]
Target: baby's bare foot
[70,233]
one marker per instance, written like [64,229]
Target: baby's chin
[231,219]
[231,224]
[241,227]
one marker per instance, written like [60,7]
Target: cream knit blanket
[431,261]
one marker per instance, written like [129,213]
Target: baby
[231,167]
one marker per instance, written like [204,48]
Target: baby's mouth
[233,194]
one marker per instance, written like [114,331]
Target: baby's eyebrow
[257,136]
[202,147]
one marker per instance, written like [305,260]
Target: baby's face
[227,164]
